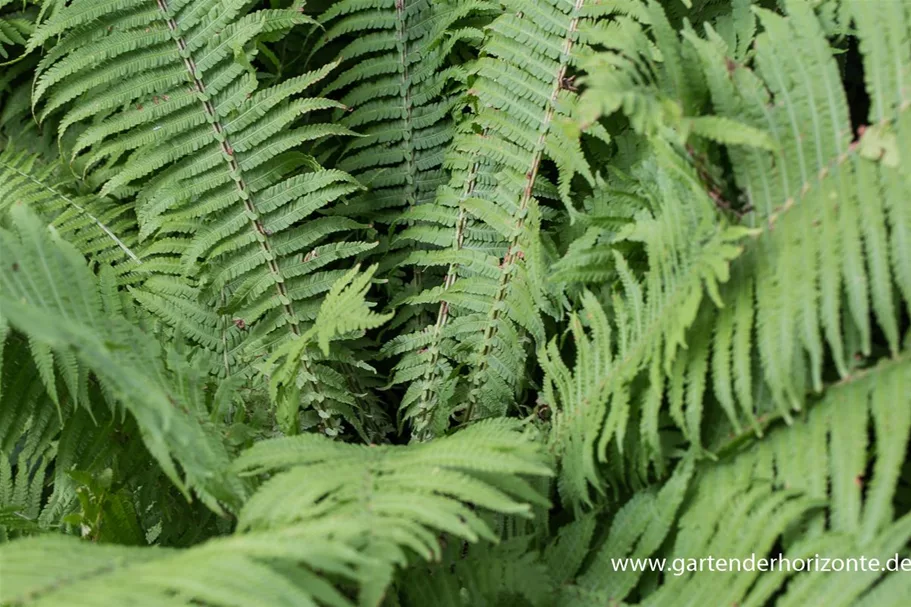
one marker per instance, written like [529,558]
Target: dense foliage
[452,302]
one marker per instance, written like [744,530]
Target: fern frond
[50,295]
[400,88]
[273,568]
[816,490]
[243,211]
[836,238]
[292,549]
[489,306]
[801,289]
[597,408]
[15,27]
[102,230]
[405,495]
[344,313]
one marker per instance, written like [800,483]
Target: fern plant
[402,303]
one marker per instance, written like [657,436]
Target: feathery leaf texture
[802,297]
[489,303]
[189,110]
[400,90]
[15,28]
[386,502]
[213,165]
[75,322]
[407,303]
[102,230]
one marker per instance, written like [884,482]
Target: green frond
[412,493]
[344,313]
[50,295]
[15,27]
[213,166]
[555,303]
[401,88]
[102,230]
[293,555]
[814,296]
[273,568]
[484,320]
[597,408]
[812,487]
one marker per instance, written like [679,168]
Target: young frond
[598,411]
[344,313]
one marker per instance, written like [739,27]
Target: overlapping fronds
[633,278]
[387,503]
[215,172]
[77,325]
[573,567]
[832,264]
[829,224]
[485,226]
[823,487]
[344,314]
[599,414]
[405,495]
[400,87]
[15,27]
[102,230]
[226,189]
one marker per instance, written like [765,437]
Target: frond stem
[530,177]
[233,167]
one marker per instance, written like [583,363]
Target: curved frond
[50,295]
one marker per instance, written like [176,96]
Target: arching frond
[102,230]
[827,224]
[291,546]
[78,326]
[834,250]
[405,495]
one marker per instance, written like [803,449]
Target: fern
[400,90]
[490,297]
[50,295]
[411,494]
[101,230]
[14,29]
[219,134]
[229,196]
[600,414]
[810,486]
[407,303]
